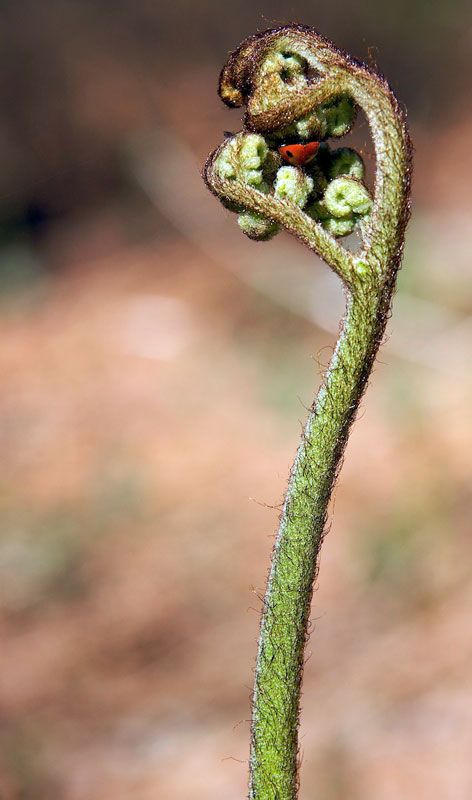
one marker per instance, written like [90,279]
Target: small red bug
[299,154]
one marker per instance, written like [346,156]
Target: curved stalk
[294,564]
[270,73]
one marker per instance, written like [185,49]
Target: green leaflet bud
[252,155]
[318,211]
[345,196]
[246,157]
[285,66]
[291,64]
[281,72]
[338,116]
[361,267]
[292,184]
[308,127]
[226,161]
[271,164]
[319,179]
[331,119]
[335,226]
[345,161]
[243,157]
[340,227]
[236,208]
[257,227]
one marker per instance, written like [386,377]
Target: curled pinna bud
[300,91]
[345,161]
[246,159]
[249,163]
[345,203]
[257,227]
[346,196]
[332,119]
[292,184]
[243,158]
[337,226]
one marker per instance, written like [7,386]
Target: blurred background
[156,366]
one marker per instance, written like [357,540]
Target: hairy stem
[270,73]
[287,602]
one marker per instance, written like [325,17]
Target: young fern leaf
[299,87]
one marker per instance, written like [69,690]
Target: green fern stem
[294,564]
[270,73]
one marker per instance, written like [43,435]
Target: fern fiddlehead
[299,88]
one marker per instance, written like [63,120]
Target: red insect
[299,154]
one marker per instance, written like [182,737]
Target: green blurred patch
[407,557]
[278,347]
[23,278]
[40,559]
[436,263]
[24,755]
[286,382]
[44,555]
[395,553]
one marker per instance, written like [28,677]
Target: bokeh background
[156,366]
